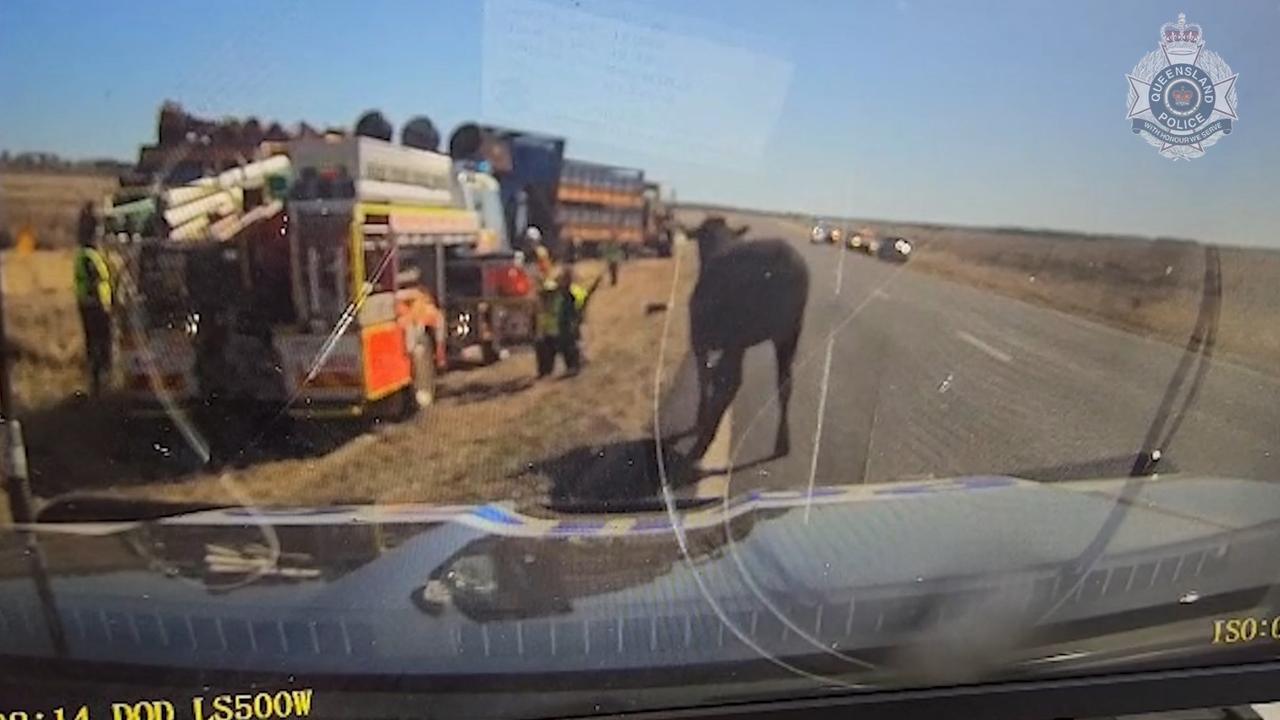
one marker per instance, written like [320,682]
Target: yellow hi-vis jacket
[93,278]
[551,310]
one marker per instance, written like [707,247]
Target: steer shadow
[622,476]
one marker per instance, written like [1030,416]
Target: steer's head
[714,235]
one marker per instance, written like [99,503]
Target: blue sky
[1006,113]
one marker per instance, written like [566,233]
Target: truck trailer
[601,204]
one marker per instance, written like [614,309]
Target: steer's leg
[726,378]
[784,352]
[706,388]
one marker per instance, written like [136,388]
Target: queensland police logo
[1182,98]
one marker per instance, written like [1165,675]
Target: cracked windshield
[551,357]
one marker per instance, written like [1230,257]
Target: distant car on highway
[893,249]
[862,239]
[824,232]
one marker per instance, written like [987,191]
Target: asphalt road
[930,378]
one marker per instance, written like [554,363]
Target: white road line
[840,271]
[717,457]
[996,353]
[817,432]
[1268,711]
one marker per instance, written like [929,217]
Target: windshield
[636,356]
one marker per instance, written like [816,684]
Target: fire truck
[320,279]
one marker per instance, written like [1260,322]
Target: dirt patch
[488,437]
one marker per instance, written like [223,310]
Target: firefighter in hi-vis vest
[93,298]
[562,304]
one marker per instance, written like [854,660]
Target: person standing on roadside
[613,259]
[93,299]
[572,308]
[546,341]
[562,305]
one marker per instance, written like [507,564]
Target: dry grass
[1147,287]
[46,345]
[49,203]
[477,443]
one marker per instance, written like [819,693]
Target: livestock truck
[601,204]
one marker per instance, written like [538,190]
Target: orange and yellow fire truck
[323,282]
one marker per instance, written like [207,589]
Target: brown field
[48,203]
[45,342]
[1147,287]
[478,442]
[44,328]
